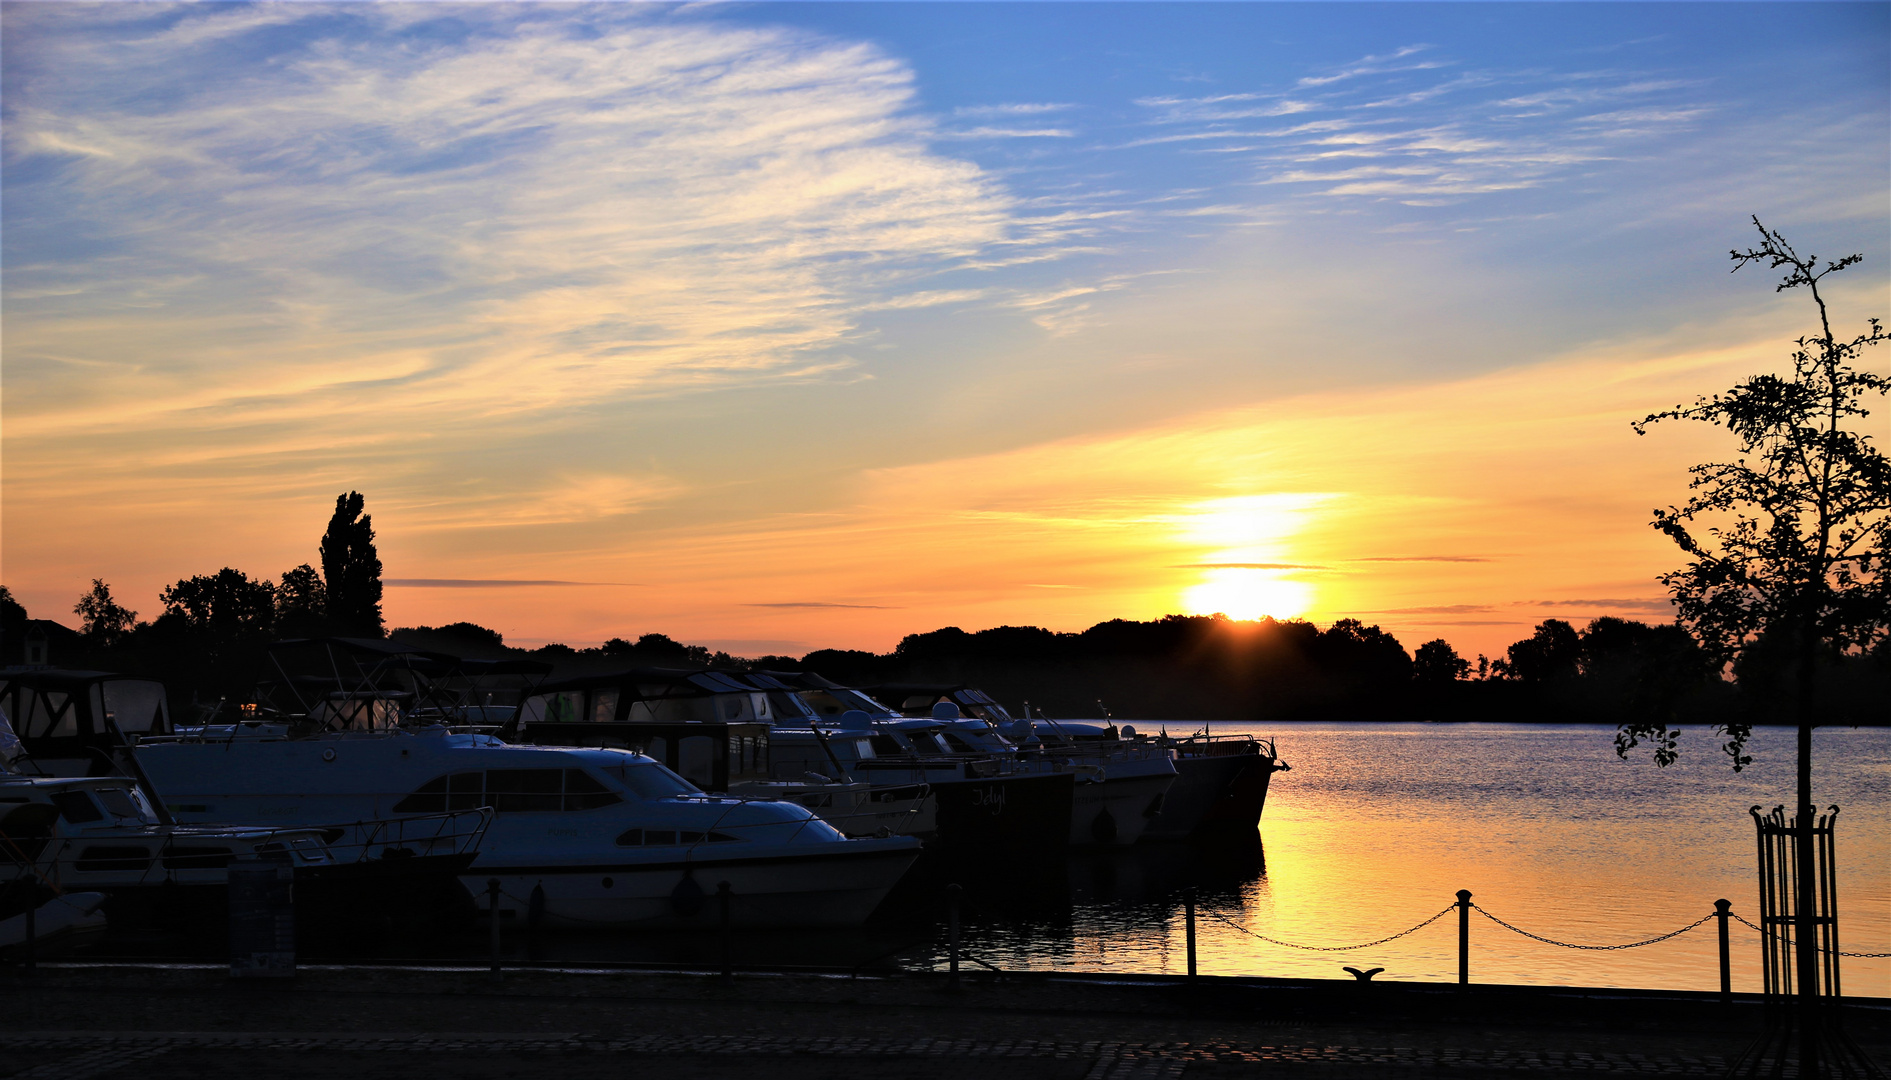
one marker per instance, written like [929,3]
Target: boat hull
[1117,810]
[812,888]
[1215,793]
[1016,811]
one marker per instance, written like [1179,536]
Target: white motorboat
[579,837]
[989,796]
[1119,789]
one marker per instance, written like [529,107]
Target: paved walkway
[145,1023]
[80,1056]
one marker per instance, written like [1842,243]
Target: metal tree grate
[1784,1050]
[1779,891]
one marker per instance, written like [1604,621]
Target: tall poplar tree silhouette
[351,569]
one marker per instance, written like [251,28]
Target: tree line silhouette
[210,642]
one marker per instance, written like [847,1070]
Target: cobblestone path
[81,1056]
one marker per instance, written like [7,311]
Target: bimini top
[58,712]
[647,695]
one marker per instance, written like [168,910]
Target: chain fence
[1330,948]
[1590,948]
[1695,925]
[1778,937]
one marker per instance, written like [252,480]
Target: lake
[1378,825]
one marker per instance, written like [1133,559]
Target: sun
[1242,593]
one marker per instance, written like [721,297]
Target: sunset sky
[779,326]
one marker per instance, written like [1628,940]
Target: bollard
[492,907]
[1722,912]
[1188,917]
[1464,937]
[952,915]
[722,902]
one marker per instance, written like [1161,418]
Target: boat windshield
[650,781]
[125,804]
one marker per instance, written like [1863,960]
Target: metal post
[728,962]
[1722,910]
[1464,937]
[952,915]
[1188,916]
[492,907]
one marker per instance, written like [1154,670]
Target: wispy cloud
[820,604]
[1249,566]
[516,219]
[988,132]
[494,583]
[1417,126]
[1424,558]
[1661,605]
[1017,108]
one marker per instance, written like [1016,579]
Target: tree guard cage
[1785,1047]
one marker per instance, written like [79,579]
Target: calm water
[1378,825]
[1376,828]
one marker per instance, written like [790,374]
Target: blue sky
[571,291]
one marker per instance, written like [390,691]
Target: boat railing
[452,832]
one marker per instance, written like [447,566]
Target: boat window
[532,711]
[137,705]
[604,706]
[887,745]
[118,803]
[50,715]
[954,743]
[823,703]
[584,792]
[196,858]
[854,699]
[429,798]
[466,791]
[651,781]
[666,837]
[564,707]
[113,858]
[696,759]
[524,790]
[658,749]
[76,807]
[786,705]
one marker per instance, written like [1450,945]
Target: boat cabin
[72,722]
[706,727]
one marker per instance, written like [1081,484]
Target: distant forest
[1179,668]
[211,642]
